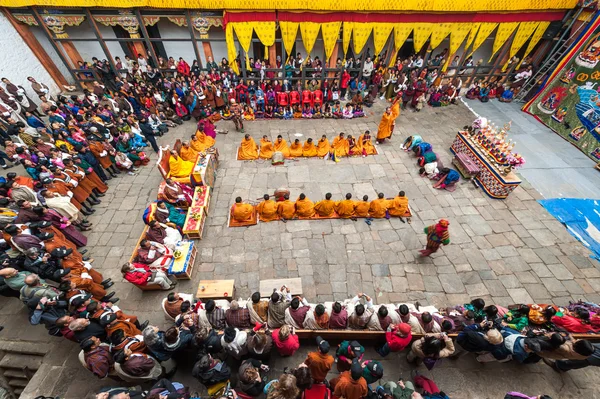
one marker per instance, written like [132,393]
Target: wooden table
[215,289]
[183,267]
[205,171]
[494,183]
[197,213]
[294,284]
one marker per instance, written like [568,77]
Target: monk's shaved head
[266,197]
[348,196]
[328,196]
[238,200]
[302,196]
[380,195]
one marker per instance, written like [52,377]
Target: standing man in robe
[437,235]
[388,122]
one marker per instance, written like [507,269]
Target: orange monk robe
[325,207]
[207,141]
[323,148]
[267,211]
[286,209]
[266,149]
[248,150]
[367,145]
[398,206]
[378,208]
[180,168]
[309,150]
[361,209]
[345,208]
[356,149]
[242,212]
[387,122]
[305,208]
[341,146]
[282,147]
[197,145]
[188,154]
[296,150]
[128,328]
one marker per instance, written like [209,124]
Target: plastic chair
[307,98]
[318,98]
[282,99]
[294,98]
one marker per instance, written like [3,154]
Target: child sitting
[307,112]
[268,112]
[327,112]
[337,110]
[297,112]
[318,114]
[248,113]
[288,113]
[358,112]
[226,113]
[368,100]
[348,112]
[279,111]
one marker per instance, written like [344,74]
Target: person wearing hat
[397,338]
[98,358]
[372,371]
[437,235]
[348,351]
[236,115]
[319,362]
[350,384]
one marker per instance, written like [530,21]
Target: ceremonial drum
[278,158]
[280,193]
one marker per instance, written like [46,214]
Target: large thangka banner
[569,103]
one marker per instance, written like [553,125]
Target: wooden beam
[188,18]
[37,49]
[207,51]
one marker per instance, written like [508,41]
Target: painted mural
[569,103]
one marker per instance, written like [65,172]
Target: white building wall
[46,45]
[18,61]
[169,30]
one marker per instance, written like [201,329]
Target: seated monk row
[339,147]
[200,143]
[269,210]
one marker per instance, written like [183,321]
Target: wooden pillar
[37,49]
[207,51]
[188,18]
[332,63]
[273,56]
[138,48]
[72,52]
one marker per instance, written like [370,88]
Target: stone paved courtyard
[507,252]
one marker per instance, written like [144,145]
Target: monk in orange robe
[296,149]
[266,148]
[282,146]
[309,149]
[345,208]
[340,145]
[188,153]
[366,144]
[323,147]
[354,146]
[286,209]
[267,210]
[398,206]
[128,327]
[325,207]
[241,212]
[305,208]
[378,207]
[361,208]
[248,150]
[197,144]
[206,140]
[388,121]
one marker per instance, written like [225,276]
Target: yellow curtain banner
[523,34]
[458,32]
[485,29]
[401,33]
[360,35]
[381,33]
[505,30]
[316,5]
[438,35]
[231,50]
[289,31]
[421,32]
[330,32]
[537,35]
[472,33]
[265,30]
[346,36]
[243,31]
[309,31]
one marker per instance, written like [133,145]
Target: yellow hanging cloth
[421,32]
[330,32]
[231,49]
[458,32]
[289,31]
[485,29]
[265,30]
[309,31]
[346,36]
[243,31]
[438,35]
[505,30]
[472,33]
[539,32]
[360,35]
[381,33]
[401,33]
[525,31]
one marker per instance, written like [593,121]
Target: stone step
[14,374]
[18,391]
[18,383]
[19,361]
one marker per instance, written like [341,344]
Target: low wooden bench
[147,287]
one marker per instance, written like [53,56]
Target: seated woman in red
[141,275]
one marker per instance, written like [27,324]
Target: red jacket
[345,80]
[138,278]
[183,68]
[575,325]
[395,342]
[287,347]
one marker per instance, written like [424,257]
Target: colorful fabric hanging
[421,32]
[330,32]
[458,32]
[438,34]
[524,32]
[231,50]
[289,31]
[309,31]
[360,35]
[381,33]
[485,29]
[346,36]
[401,33]
[505,30]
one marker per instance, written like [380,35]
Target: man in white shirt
[368,68]
[419,62]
